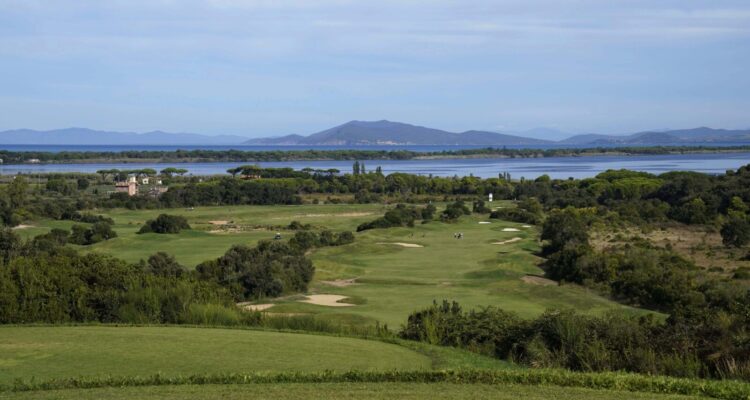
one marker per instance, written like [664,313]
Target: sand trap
[511,230]
[330,300]
[22,226]
[255,307]
[218,222]
[484,222]
[538,280]
[350,214]
[403,244]
[340,282]
[525,226]
[515,239]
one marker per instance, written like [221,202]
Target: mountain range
[84,136]
[377,133]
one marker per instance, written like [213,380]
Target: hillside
[396,133]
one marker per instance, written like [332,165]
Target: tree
[163,264]
[355,168]
[735,232]
[10,244]
[82,183]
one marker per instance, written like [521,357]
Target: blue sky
[273,67]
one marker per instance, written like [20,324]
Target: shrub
[165,223]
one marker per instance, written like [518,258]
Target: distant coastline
[91,156]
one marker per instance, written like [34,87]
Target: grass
[343,391]
[61,352]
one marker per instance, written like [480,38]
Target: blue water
[556,167]
[417,148]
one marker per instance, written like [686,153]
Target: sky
[273,67]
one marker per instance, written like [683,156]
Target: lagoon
[555,167]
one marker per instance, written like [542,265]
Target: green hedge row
[729,390]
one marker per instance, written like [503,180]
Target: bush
[454,211]
[98,232]
[165,223]
[399,216]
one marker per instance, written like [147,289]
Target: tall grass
[729,390]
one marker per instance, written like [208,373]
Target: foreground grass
[343,391]
[45,353]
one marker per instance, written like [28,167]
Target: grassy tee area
[386,273]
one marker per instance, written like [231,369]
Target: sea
[529,168]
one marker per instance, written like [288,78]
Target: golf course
[381,277]
[377,280]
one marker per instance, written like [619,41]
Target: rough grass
[700,244]
[45,353]
[343,391]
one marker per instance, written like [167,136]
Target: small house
[129,187]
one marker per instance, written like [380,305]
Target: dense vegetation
[614,342]
[42,281]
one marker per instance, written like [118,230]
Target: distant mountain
[83,136]
[397,133]
[675,137]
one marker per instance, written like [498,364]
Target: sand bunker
[340,282]
[402,244]
[484,222]
[525,226]
[538,280]
[22,226]
[330,300]
[218,222]
[510,230]
[255,307]
[515,239]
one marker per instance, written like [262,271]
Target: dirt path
[329,300]
[538,280]
[515,239]
[255,307]
[340,282]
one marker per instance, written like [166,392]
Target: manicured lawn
[285,391]
[45,353]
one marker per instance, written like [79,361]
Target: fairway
[209,239]
[343,391]
[46,353]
